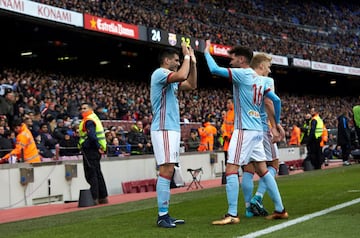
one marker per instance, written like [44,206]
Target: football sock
[247,186]
[232,192]
[163,195]
[272,170]
[262,186]
[273,190]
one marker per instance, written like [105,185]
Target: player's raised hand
[192,55]
[207,46]
[185,49]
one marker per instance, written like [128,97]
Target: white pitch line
[299,220]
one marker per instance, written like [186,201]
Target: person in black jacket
[137,140]
[5,142]
[344,135]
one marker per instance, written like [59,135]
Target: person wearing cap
[25,147]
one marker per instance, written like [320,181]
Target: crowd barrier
[61,180]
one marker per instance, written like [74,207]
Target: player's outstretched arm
[213,67]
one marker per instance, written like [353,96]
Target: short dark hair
[87,104]
[242,51]
[167,53]
[16,122]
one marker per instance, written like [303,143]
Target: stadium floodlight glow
[26,53]
[104,62]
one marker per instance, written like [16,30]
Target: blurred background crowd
[48,102]
[324,31]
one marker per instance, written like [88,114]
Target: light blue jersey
[164,102]
[264,117]
[248,90]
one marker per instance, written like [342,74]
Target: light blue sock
[247,186]
[262,186]
[273,190]
[232,192]
[272,170]
[163,195]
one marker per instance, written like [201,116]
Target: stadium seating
[139,186]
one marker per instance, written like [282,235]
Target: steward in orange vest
[228,124]
[207,134]
[25,147]
[295,136]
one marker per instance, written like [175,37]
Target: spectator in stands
[193,142]
[123,108]
[44,151]
[73,106]
[47,138]
[138,141]
[25,147]
[5,142]
[36,121]
[344,135]
[68,144]
[60,130]
[117,149]
[329,152]
[108,137]
[7,105]
[29,123]
[282,34]
[337,152]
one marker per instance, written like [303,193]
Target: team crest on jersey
[172,39]
[254,114]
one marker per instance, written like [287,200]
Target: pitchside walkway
[24,213]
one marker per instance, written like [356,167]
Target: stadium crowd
[49,104]
[324,31]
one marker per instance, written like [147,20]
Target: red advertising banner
[219,50]
[107,26]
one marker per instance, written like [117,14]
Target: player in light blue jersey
[246,144]
[165,127]
[261,63]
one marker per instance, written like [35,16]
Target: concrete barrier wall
[51,183]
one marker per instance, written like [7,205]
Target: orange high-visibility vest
[324,136]
[228,127]
[203,143]
[295,136]
[25,145]
[210,131]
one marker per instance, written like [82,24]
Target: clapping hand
[192,55]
